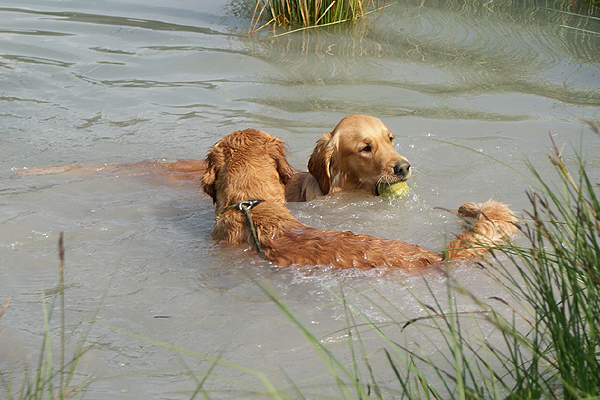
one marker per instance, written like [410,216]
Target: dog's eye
[391,139]
[366,149]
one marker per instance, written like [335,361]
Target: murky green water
[470,90]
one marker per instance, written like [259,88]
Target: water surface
[470,91]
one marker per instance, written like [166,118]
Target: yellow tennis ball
[392,191]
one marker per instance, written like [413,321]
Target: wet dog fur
[251,165]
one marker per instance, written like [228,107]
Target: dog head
[358,154]
[246,165]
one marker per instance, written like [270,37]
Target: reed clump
[549,345]
[559,273]
[310,13]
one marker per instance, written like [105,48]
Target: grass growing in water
[54,374]
[560,271]
[310,13]
[548,347]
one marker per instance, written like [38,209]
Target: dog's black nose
[402,168]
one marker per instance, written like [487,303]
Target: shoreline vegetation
[296,15]
[549,344]
[310,13]
[549,339]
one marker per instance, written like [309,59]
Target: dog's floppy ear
[277,152]
[319,162]
[214,160]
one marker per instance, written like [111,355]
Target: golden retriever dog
[246,177]
[356,156]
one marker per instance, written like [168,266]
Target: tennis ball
[392,191]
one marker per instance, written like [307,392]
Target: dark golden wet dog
[246,176]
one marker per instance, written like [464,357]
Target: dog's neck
[245,207]
[250,188]
[339,183]
[234,224]
[242,205]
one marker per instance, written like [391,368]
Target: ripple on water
[96,82]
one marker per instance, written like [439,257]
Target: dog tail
[176,170]
[494,223]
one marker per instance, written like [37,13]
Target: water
[470,92]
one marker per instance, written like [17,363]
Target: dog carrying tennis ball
[392,191]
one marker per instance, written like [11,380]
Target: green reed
[53,376]
[550,340]
[559,272]
[310,13]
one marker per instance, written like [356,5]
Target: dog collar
[245,206]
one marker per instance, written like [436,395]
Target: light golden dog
[246,177]
[357,155]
